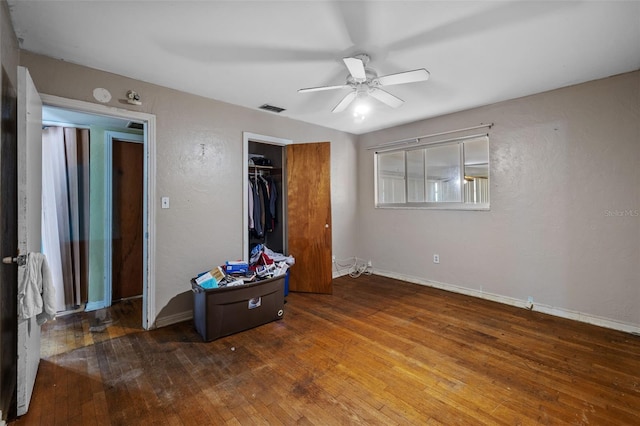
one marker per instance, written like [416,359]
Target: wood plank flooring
[377,351]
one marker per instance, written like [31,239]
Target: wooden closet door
[127,243]
[309,216]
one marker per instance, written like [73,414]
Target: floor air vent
[271,108]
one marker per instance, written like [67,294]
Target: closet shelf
[270,169]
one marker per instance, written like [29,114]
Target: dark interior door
[127,222]
[309,216]
[8,247]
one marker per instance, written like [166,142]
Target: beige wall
[203,227]
[9,45]
[564,164]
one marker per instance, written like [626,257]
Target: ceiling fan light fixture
[366,84]
[361,106]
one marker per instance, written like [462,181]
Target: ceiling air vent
[134,125]
[271,108]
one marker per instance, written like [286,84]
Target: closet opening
[302,229]
[265,200]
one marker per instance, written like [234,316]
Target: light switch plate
[165,202]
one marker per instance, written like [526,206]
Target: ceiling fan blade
[403,77]
[345,102]
[356,19]
[386,97]
[503,14]
[356,68]
[321,88]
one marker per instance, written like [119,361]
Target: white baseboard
[338,274]
[538,307]
[173,319]
[94,306]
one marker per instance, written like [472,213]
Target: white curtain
[63,234]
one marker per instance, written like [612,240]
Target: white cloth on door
[36,294]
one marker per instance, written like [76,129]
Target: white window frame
[457,205]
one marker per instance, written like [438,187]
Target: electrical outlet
[369,264]
[165,202]
[436,258]
[333,259]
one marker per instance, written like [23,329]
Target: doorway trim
[253,137]
[109,136]
[149,248]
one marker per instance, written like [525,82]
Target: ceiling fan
[364,81]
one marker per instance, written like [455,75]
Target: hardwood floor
[377,351]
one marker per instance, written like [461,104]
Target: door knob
[21,260]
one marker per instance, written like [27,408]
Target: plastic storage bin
[286,283]
[219,312]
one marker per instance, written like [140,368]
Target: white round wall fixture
[101,95]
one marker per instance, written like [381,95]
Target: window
[452,175]
[392,186]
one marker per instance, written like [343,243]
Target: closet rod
[417,138]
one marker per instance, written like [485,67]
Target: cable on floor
[355,265]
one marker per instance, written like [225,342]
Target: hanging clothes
[273,198]
[250,200]
[267,219]
[257,211]
[263,196]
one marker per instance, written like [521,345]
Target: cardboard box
[210,279]
[236,267]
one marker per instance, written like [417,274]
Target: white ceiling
[254,52]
